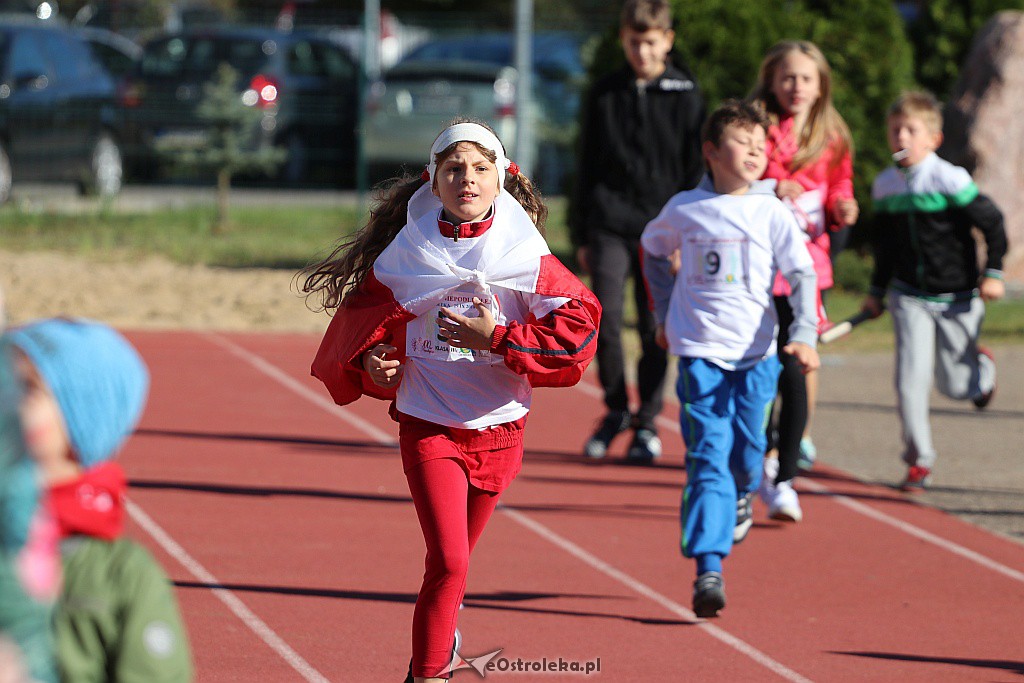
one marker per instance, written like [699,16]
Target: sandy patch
[153,293]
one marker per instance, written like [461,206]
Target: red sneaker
[918,479]
[982,400]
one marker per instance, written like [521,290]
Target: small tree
[942,35]
[230,143]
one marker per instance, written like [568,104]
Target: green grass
[277,237]
[289,237]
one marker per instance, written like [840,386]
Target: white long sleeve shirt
[720,306]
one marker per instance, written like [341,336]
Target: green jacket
[22,618]
[117,618]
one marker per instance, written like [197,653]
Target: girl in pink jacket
[810,154]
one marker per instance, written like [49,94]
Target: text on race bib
[423,334]
[716,262]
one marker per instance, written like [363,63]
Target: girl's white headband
[471,132]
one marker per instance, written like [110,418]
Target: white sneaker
[784,504]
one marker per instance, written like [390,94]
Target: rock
[984,131]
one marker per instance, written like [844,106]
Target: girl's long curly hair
[344,270]
[825,126]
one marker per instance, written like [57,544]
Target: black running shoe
[646,447]
[981,401]
[708,595]
[611,426]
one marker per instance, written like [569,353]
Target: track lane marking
[301,389]
[527,522]
[654,596]
[230,600]
[866,510]
[915,531]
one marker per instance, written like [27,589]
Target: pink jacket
[834,181]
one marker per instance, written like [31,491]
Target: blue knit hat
[97,377]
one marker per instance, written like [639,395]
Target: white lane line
[539,529]
[914,531]
[867,511]
[654,596]
[255,624]
[301,389]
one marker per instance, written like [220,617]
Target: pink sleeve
[840,182]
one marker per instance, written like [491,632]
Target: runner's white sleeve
[803,299]
[660,282]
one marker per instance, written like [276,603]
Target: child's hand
[805,355]
[846,211]
[992,288]
[467,333]
[660,339]
[872,306]
[788,189]
[383,372]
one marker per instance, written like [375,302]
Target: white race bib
[716,262]
[422,333]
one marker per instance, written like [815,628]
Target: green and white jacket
[922,239]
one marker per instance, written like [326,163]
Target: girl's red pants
[452,515]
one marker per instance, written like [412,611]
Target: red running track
[286,525]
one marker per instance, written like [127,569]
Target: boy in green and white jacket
[926,259]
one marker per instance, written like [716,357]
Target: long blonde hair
[825,127]
[344,270]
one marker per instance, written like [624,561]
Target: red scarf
[92,504]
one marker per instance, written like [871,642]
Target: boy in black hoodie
[640,145]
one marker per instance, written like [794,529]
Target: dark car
[474,76]
[305,87]
[58,110]
[118,54]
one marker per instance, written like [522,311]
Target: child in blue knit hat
[84,390]
[29,563]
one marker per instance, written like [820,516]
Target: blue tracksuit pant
[724,416]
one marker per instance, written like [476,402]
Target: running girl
[450,304]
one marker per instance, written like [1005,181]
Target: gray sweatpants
[940,340]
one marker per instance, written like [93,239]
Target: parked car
[474,76]
[58,109]
[305,87]
[118,54]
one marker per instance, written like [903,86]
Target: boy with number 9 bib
[716,314]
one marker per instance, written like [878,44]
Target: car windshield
[493,51]
[551,52]
[201,55]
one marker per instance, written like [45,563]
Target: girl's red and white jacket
[415,273]
[827,179]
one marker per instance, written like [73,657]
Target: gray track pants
[937,340]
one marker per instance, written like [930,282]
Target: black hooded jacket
[639,147]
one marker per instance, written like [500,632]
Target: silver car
[474,76]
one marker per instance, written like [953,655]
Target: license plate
[181,138]
[437,104]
